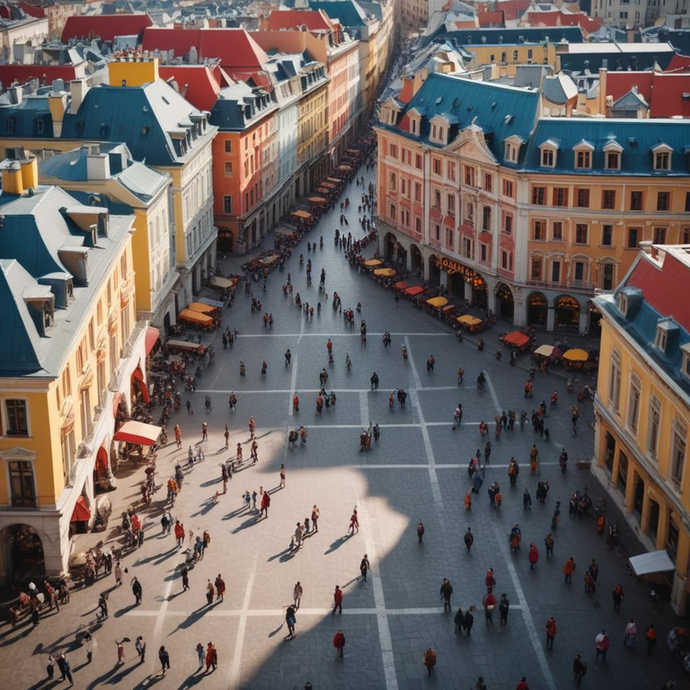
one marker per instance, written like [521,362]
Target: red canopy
[516,338]
[81,511]
[138,433]
[415,290]
[152,335]
[400,285]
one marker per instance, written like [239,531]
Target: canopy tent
[415,290]
[337,180]
[372,263]
[437,302]
[544,350]
[654,562]
[201,308]
[576,355]
[516,338]
[152,335]
[268,260]
[329,185]
[469,320]
[185,345]
[400,285]
[386,272]
[317,200]
[344,167]
[323,190]
[211,302]
[195,317]
[301,214]
[219,282]
[81,512]
[138,433]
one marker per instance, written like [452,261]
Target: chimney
[29,170]
[98,166]
[407,90]
[603,78]
[12,177]
[58,105]
[16,92]
[78,89]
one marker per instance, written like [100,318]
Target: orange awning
[201,308]
[516,338]
[301,214]
[400,285]
[138,433]
[317,200]
[195,317]
[81,511]
[152,335]
[415,290]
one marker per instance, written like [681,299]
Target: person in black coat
[469,622]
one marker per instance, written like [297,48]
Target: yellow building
[312,138]
[106,174]
[643,405]
[70,354]
[517,54]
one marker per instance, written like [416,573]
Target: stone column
[443,280]
[584,320]
[550,318]
[630,487]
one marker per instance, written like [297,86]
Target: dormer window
[612,155]
[549,153]
[583,155]
[439,130]
[512,148]
[414,125]
[623,303]
[685,366]
[661,338]
[662,157]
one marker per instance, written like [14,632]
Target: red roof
[488,18]
[661,288]
[679,62]
[32,11]
[199,84]
[105,26]
[235,48]
[667,95]
[44,73]
[558,18]
[314,20]
[620,83]
[512,9]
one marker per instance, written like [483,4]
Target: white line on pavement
[493,393]
[364,408]
[234,675]
[293,385]
[413,368]
[529,621]
[294,388]
[332,336]
[433,477]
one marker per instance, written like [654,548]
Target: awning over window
[152,335]
[102,462]
[201,308]
[195,317]
[81,511]
[220,282]
[138,376]
[138,433]
[654,562]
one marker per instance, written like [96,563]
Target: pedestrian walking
[650,634]
[364,567]
[137,590]
[617,596]
[489,603]
[220,588]
[117,571]
[579,669]
[459,621]
[429,656]
[339,643]
[164,658]
[184,571]
[65,669]
[140,646]
[265,504]
[103,605]
[282,476]
[490,580]
[548,543]
[630,634]
[569,569]
[420,531]
[469,539]
[211,657]
[533,556]
[179,534]
[204,431]
[200,653]
[50,667]
[226,434]
[120,652]
[338,600]
[550,632]
[209,592]
[601,644]
[469,622]
[298,536]
[446,592]
[503,607]
[315,515]
[88,645]
[354,523]
[297,594]
[290,620]
[522,685]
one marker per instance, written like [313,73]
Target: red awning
[415,290]
[138,376]
[102,462]
[400,285]
[516,338]
[81,511]
[152,335]
[138,433]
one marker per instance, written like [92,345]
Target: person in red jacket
[179,532]
[339,643]
[533,556]
[522,685]
[338,600]
[265,503]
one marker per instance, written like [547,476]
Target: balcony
[581,285]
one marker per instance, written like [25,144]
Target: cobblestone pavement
[416,471]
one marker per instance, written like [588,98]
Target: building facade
[71,352]
[520,215]
[643,404]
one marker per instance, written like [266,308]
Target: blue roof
[678,38]
[348,12]
[470,37]
[637,137]
[616,60]
[501,111]
[30,118]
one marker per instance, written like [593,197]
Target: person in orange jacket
[550,632]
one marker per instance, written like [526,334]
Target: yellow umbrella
[437,302]
[576,355]
[373,262]
[386,272]
[469,320]
[544,350]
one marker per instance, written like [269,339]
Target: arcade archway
[537,309]
[434,273]
[23,554]
[416,263]
[567,312]
[505,302]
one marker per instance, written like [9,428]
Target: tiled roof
[500,111]
[347,12]
[616,56]
[105,26]
[314,20]
[512,9]
[235,48]
[44,73]
[523,34]
[663,91]
[637,137]
[199,84]
[490,18]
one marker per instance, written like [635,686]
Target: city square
[417,471]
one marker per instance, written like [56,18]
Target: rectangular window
[437,232]
[467,247]
[418,161]
[85,412]
[678,450]
[228,146]
[539,196]
[392,212]
[539,230]
[608,199]
[449,238]
[418,225]
[437,198]
[583,198]
[228,168]
[22,484]
[557,230]
[418,191]
[404,186]
[579,271]
[654,426]
[392,150]
[659,235]
[606,235]
[507,223]
[613,160]
[560,196]
[227,204]
[583,160]
[633,237]
[17,418]
[615,380]
[451,205]
[436,166]
[636,201]
[663,201]
[536,269]
[508,188]
[483,253]
[687,202]
[547,158]
[469,176]
[393,180]
[580,233]
[488,183]
[506,261]
[634,402]
[486,218]
[451,171]
[556,272]
[661,161]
